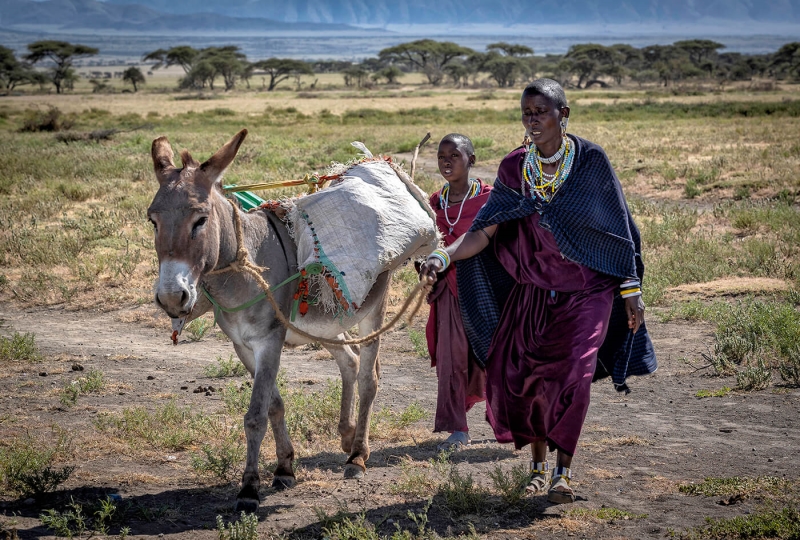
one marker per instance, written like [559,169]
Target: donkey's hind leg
[347,360]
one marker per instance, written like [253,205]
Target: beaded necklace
[444,201]
[542,185]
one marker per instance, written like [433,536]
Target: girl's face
[454,164]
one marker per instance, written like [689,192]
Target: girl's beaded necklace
[542,185]
[444,201]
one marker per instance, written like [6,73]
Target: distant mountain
[503,12]
[83,15]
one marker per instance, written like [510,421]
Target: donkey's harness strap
[313,268]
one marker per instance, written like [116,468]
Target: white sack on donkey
[369,220]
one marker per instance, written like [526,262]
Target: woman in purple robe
[563,240]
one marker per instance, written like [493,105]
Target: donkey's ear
[162,158]
[216,164]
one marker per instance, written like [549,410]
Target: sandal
[456,441]
[538,480]
[560,492]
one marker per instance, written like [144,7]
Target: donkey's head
[184,214]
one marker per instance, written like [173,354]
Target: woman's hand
[429,269]
[634,307]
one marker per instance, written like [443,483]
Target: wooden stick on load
[416,153]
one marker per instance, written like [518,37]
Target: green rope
[313,268]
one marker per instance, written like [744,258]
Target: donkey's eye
[153,223]
[198,225]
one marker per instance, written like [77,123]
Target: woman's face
[542,120]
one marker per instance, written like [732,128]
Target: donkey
[195,235]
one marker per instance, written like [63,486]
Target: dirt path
[634,452]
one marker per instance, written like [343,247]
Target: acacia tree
[14,73]
[182,55]
[61,54]
[134,76]
[506,63]
[226,61]
[588,61]
[426,55]
[701,52]
[786,61]
[280,69]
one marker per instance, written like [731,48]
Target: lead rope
[243,264]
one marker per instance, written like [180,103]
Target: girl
[461,380]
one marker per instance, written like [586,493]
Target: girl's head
[456,155]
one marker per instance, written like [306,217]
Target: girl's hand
[634,307]
[429,269]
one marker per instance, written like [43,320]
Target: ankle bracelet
[540,467]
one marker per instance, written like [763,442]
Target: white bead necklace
[555,157]
[460,208]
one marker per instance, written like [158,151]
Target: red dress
[461,382]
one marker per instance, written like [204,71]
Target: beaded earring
[564,122]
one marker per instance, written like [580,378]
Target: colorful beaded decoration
[542,185]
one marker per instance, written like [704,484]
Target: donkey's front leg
[347,361]
[266,359]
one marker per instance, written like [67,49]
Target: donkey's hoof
[353,472]
[355,468]
[248,506]
[283,482]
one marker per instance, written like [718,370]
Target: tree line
[440,62]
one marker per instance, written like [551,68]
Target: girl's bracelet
[442,256]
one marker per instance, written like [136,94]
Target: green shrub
[168,427]
[198,328]
[246,528]
[755,377]
[511,484]
[790,368]
[94,381]
[230,367]
[50,120]
[19,347]
[461,495]
[26,466]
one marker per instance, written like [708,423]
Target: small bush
[231,367]
[237,397]
[511,484]
[26,466]
[93,382]
[244,529]
[198,328]
[77,520]
[19,347]
[168,427]
[52,119]
[461,495]
[755,377]
[220,459]
[790,368]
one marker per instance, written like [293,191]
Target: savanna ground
[108,429]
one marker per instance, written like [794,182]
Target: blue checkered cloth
[592,225]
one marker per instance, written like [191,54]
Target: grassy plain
[711,177]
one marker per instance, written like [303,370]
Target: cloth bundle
[371,219]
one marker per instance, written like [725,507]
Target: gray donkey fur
[194,234]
